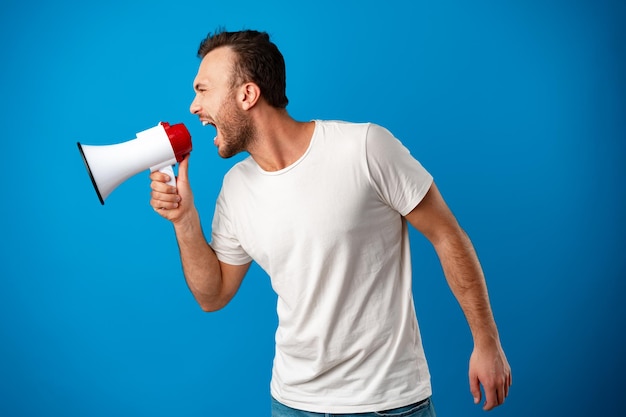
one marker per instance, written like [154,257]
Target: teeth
[205,123]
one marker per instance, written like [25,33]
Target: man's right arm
[212,282]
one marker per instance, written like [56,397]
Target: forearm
[466,280]
[200,264]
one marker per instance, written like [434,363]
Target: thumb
[183,169]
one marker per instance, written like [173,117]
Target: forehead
[216,67]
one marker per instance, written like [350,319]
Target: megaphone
[157,148]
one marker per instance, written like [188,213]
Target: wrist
[486,338]
[187,224]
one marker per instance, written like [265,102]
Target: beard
[236,128]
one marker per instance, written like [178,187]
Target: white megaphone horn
[157,148]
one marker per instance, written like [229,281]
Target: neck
[280,140]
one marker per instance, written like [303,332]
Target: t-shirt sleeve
[398,178]
[223,238]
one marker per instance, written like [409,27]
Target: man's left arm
[488,364]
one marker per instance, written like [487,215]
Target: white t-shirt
[329,231]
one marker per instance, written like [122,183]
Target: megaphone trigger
[169,171]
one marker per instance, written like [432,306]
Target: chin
[225,153]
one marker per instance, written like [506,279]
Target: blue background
[517,108]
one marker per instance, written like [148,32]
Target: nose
[195,107]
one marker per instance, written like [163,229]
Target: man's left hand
[488,367]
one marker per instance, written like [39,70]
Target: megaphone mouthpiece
[180,139]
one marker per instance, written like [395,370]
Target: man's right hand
[172,203]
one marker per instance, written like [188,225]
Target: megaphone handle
[169,170]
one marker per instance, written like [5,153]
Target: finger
[165,197]
[163,205]
[159,176]
[161,186]
[507,385]
[491,398]
[489,405]
[475,389]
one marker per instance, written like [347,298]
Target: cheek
[202,102]
[215,107]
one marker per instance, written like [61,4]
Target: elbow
[211,306]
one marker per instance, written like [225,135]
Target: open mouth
[207,123]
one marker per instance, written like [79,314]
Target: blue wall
[517,108]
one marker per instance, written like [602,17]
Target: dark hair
[258,61]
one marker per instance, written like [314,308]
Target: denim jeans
[421,409]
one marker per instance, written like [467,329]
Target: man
[323,208]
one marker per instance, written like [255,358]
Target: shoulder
[336,135]
[342,128]
[362,130]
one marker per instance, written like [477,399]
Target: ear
[249,95]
